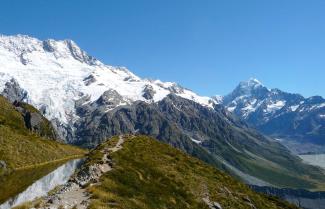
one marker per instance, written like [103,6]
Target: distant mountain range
[296,121]
[88,102]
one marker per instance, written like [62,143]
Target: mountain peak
[249,87]
[251,83]
[28,49]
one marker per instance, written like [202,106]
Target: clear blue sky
[205,45]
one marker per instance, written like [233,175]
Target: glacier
[57,73]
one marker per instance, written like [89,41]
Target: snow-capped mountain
[277,113]
[89,102]
[53,75]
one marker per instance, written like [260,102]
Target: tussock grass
[148,174]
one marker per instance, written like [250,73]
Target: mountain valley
[58,102]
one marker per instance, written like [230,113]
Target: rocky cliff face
[13,92]
[36,122]
[33,118]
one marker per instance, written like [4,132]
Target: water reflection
[39,188]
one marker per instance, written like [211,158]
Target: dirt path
[73,194]
[118,145]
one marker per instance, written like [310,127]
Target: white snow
[252,82]
[251,106]
[218,99]
[294,108]
[54,77]
[317,106]
[247,110]
[275,106]
[196,141]
[231,109]
[313,107]
[250,85]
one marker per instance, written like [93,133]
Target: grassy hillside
[225,142]
[149,174]
[21,149]
[271,162]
